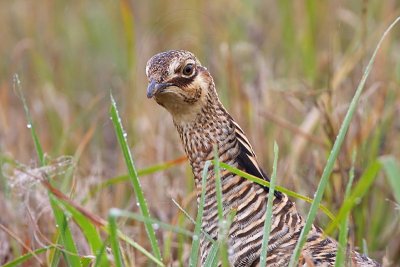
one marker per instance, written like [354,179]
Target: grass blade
[20,260]
[140,173]
[70,252]
[279,188]
[223,228]
[218,185]
[334,153]
[268,214]
[197,229]
[360,189]
[212,259]
[89,230]
[112,226]
[38,146]
[392,170]
[61,220]
[343,230]
[121,136]
[187,215]
[139,248]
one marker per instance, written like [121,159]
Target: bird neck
[212,127]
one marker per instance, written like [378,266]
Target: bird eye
[188,69]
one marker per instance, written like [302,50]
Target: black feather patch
[246,160]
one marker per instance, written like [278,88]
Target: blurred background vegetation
[286,70]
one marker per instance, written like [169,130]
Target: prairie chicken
[179,83]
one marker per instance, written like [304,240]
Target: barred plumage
[178,82]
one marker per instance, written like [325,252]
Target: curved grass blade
[140,173]
[21,259]
[278,188]
[197,229]
[268,214]
[163,225]
[334,153]
[121,136]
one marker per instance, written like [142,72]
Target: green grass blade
[212,258]
[343,230]
[197,229]
[187,215]
[66,235]
[112,226]
[140,248]
[278,188]
[140,173]
[89,230]
[70,252]
[334,153]
[21,259]
[121,136]
[360,189]
[163,225]
[38,146]
[100,254]
[223,227]
[218,185]
[268,214]
[223,234]
[392,170]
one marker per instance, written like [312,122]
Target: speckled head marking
[179,83]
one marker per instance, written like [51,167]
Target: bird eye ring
[188,69]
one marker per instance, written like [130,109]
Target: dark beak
[154,87]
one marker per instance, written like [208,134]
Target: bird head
[179,83]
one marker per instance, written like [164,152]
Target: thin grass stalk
[197,229]
[334,153]
[218,185]
[222,222]
[121,136]
[187,215]
[343,230]
[112,226]
[362,186]
[268,214]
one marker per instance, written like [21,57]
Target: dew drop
[156,226]
[195,237]
[29,126]
[125,134]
